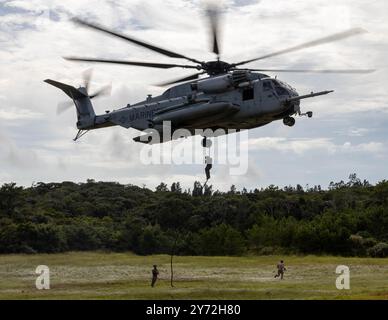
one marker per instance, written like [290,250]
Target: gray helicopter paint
[251,111]
[230,98]
[250,103]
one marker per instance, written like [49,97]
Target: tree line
[350,218]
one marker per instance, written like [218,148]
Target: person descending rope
[155,273]
[209,166]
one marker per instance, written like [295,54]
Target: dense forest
[350,218]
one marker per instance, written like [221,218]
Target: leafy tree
[176,187]
[197,189]
[153,240]
[380,250]
[10,198]
[220,240]
[162,187]
[350,218]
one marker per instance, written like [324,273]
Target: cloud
[358,132]
[302,146]
[370,147]
[348,129]
[243,3]
[12,155]
[297,146]
[18,114]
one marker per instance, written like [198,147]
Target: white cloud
[370,147]
[358,132]
[33,41]
[298,146]
[18,114]
[302,146]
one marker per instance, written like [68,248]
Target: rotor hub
[217,67]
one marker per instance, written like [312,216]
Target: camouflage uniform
[155,274]
[281,268]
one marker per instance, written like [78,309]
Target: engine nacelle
[221,83]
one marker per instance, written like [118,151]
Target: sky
[348,133]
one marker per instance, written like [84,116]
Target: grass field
[127,276]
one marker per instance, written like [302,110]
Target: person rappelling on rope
[207,143]
[209,166]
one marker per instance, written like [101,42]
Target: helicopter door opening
[248,94]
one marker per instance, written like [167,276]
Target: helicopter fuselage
[232,97]
[233,101]
[252,101]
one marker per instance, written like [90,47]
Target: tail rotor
[87,78]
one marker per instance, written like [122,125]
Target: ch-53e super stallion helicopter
[230,97]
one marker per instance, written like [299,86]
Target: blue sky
[347,134]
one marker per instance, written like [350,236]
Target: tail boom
[86,116]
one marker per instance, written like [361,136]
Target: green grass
[127,276]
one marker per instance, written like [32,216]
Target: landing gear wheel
[289,121]
[206,143]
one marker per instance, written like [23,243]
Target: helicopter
[230,97]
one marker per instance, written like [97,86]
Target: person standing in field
[281,268]
[155,273]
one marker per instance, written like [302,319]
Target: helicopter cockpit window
[267,86]
[280,90]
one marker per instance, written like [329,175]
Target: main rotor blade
[213,13]
[351,71]
[134,63]
[192,77]
[328,39]
[104,91]
[165,52]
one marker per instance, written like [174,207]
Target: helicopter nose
[293,92]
